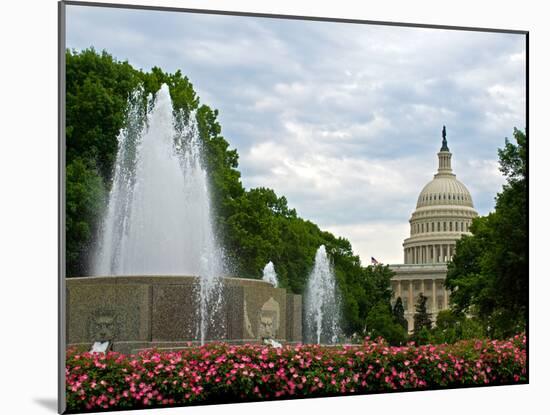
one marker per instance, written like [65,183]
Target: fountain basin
[137,312]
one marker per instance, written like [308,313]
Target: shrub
[218,372]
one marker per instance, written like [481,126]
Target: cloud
[344,120]
[375,239]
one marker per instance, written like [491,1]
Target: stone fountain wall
[160,311]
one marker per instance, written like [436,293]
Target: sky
[342,119]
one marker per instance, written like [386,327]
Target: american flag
[373,261]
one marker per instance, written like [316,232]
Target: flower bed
[219,372]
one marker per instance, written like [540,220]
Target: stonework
[293,317]
[157,311]
[270,316]
[444,212]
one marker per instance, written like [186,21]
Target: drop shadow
[48,403]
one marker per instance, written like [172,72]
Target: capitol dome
[444,212]
[444,191]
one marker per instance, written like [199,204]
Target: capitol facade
[444,212]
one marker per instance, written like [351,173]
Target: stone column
[434,297]
[410,305]
[445,298]
[399,289]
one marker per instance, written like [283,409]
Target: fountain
[270,275]
[159,219]
[322,308]
[158,268]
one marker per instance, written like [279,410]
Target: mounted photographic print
[260,207]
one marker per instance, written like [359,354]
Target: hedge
[218,372]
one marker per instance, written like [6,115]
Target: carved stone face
[269,319]
[266,327]
[103,328]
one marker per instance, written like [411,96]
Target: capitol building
[444,212]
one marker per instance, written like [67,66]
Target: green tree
[98,87]
[422,319]
[471,328]
[445,330]
[452,326]
[85,195]
[488,275]
[398,313]
[380,323]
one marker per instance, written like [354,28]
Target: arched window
[444,226]
[433,226]
[451,226]
[422,228]
[439,226]
[462,226]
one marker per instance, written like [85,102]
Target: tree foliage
[381,323]
[488,275]
[452,326]
[398,313]
[422,320]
